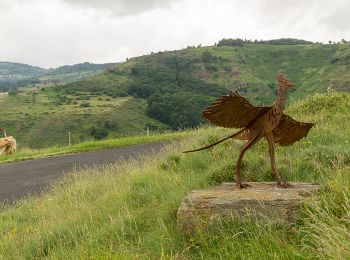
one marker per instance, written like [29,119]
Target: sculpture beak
[291,85]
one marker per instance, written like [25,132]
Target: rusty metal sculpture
[234,111]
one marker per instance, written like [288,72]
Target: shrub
[84,104]
[98,133]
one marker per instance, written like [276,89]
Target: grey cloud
[58,32]
[339,20]
[280,11]
[122,7]
[280,8]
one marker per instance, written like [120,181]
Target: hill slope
[169,90]
[250,69]
[174,83]
[128,211]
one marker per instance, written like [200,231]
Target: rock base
[263,200]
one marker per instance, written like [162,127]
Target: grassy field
[128,211]
[41,118]
[30,153]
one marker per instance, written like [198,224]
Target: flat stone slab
[263,200]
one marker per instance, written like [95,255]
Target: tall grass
[128,211]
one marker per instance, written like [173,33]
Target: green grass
[29,153]
[35,119]
[128,211]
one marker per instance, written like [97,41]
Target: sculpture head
[284,83]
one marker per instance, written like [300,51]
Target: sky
[52,33]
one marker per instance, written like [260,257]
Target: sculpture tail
[220,141]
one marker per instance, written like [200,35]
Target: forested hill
[178,84]
[15,75]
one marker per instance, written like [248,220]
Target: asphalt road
[30,177]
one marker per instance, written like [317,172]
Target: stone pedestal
[263,200]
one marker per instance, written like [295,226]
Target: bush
[207,56]
[98,133]
[84,105]
[13,91]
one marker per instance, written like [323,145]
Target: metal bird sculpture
[234,111]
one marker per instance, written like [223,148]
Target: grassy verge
[28,153]
[128,211]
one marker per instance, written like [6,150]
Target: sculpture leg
[280,182]
[244,148]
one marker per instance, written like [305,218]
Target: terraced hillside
[168,90]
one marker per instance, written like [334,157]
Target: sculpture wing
[232,111]
[289,131]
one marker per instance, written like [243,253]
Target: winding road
[30,177]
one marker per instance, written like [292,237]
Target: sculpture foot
[284,185]
[242,185]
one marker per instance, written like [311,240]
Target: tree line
[241,42]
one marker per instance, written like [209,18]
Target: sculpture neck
[281,99]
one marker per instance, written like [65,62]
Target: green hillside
[40,118]
[250,69]
[18,70]
[128,211]
[168,90]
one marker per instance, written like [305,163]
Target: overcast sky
[51,33]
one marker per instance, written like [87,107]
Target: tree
[231,42]
[178,110]
[207,56]
[179,64]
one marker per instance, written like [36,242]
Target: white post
[68,138]
[147,131]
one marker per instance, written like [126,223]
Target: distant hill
[14,75]
[13,70]
[168,90]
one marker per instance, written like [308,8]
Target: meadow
[39,117]
[128,211]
